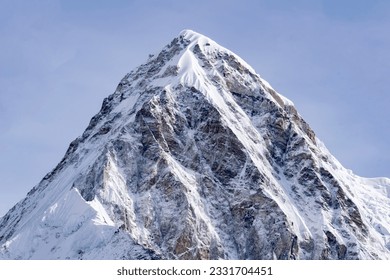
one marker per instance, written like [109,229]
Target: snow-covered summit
[191,35]
[209,46]
[194,156]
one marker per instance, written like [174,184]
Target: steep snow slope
[194,156]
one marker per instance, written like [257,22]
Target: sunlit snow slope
[194,156]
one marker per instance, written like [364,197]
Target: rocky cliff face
[194,156]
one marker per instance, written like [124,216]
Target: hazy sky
[59,59]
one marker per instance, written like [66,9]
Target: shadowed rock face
[195,157]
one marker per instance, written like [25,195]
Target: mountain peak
[194,38]
[194,156]
[190,35]
[191,57]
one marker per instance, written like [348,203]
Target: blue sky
[59,59]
